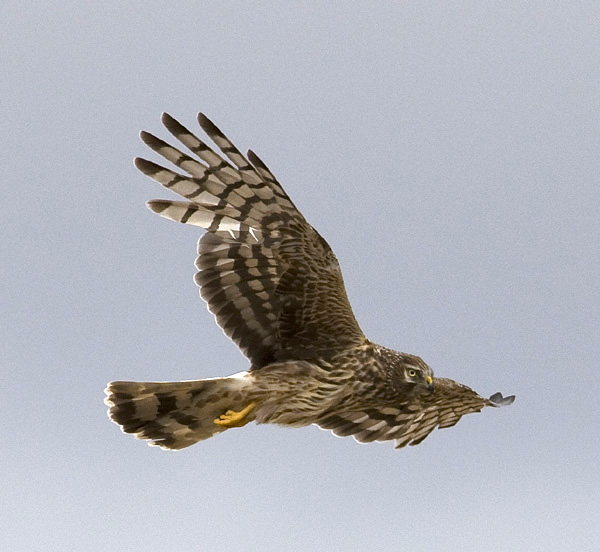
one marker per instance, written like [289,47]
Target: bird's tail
[175,415]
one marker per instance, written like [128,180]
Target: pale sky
[448,151]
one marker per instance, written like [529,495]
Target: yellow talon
[231,418]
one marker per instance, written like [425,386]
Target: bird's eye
[412,373]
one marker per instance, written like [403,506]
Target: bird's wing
[410,423]
[271,281]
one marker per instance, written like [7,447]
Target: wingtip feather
[158,205]
[499,400]
[165,118]
[145,166]
[207,125]
[173,125]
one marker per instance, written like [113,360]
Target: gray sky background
[449,153]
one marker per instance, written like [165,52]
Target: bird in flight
[275,287]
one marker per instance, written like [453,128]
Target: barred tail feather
[175,415]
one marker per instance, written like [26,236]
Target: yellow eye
[412,373]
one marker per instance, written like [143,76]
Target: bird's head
[416,372]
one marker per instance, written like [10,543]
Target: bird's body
[275,287]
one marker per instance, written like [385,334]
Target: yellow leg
[235,419]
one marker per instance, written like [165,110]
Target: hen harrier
[276,289]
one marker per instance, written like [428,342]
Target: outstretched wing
[409,424]
[271,281]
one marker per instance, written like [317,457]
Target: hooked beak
[430,384]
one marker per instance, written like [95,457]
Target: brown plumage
[276,288]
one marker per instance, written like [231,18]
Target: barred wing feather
[271,281]
[412,422]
